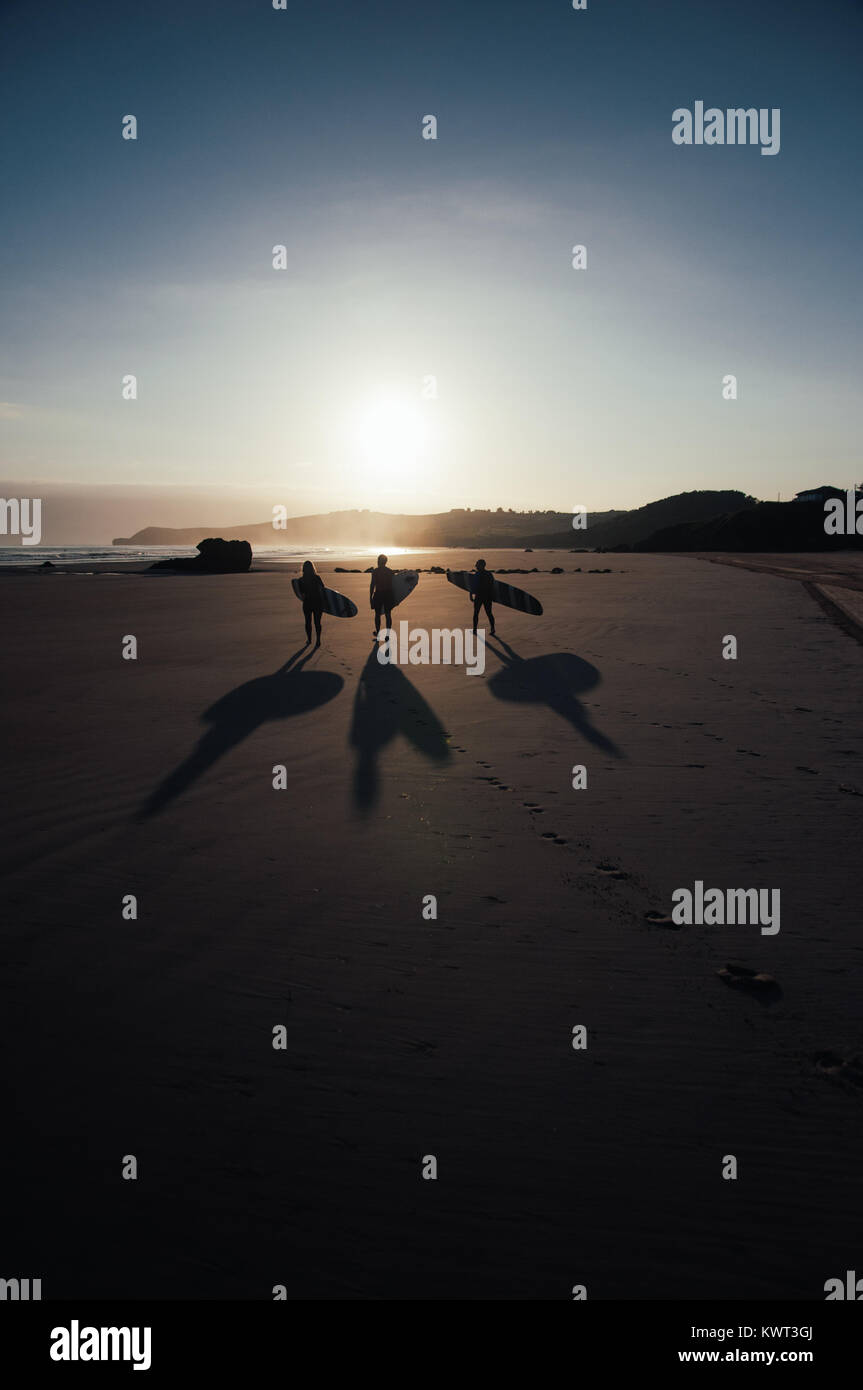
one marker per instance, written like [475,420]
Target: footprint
[661,919]
[610,870]
[839,1068]
[752,981]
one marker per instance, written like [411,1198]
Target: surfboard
[404,583]
[336,604]
[506,594]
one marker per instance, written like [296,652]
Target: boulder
[224,557]
[215,556]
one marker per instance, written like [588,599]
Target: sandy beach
[408,1037]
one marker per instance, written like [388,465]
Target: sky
[409,258]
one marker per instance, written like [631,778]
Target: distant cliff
[463,527]
[455,528]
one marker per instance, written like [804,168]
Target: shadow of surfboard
[556,680]
[287,692]
[387,704]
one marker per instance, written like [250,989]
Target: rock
[557,570]
[437,569]
[215,556]
[46,565]
[224,557]
[528,550]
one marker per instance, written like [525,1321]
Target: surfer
[313,600]
[381,594]
[483,590]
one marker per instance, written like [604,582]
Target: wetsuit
[483,581]
[381,594]
[313,604]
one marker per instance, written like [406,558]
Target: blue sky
[409,257]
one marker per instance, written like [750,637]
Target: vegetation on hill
[768,526]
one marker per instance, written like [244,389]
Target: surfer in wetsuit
[482,591]
[381,594]
[313,600]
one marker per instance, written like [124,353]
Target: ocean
[21,556]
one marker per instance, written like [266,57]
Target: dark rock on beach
[215,556]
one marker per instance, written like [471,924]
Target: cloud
[10,410]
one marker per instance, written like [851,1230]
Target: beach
[407,1036]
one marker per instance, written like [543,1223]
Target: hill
[767,526]
[608,530]
[458,527]
[462,526]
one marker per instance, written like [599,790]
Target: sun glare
[392,435]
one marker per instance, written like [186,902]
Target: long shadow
[554,680]
[286,692]
[388,704]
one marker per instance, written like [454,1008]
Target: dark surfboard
[506,594]
[336,604]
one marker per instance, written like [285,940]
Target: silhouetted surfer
[381,594]
[313,600]
[482,589]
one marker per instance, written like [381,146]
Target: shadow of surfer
[288,691]
[387,704]
[555,680]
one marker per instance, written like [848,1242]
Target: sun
[392,436]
